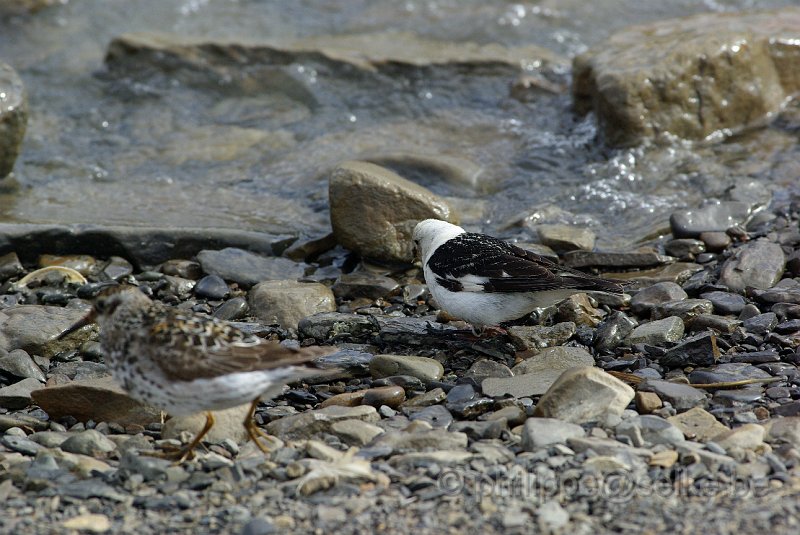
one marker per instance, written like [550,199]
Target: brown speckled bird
[187,363]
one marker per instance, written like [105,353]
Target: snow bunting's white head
[431,233]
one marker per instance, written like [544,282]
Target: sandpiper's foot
[256,433]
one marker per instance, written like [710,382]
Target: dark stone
[716,241]
[681,396]
[714,217]
[698,350]
[354,285]
[491,429]
[436,415]
[232,309]
[336,325]
[472,408]
[10,266]
[212,287]
[725,373]
[725,302]
[246,268]
[662,292]
[756,357]
[761,324]
[143,246]
[684,248]
[581,259]
[611,332]
[788,327]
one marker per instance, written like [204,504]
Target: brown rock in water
[101,400]
[692,76]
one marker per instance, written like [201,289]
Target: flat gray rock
[248,269]
[758,264]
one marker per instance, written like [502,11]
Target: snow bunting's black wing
[479,263]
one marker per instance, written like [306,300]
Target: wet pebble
[657,332]
[761,324]
[391,396]
[423,368]
[212,287]
[435,415]
[232,309]
[725,302]
[19,364]
[713,217]
[662,292]
[364,285]
[611,332]
[715,241]
[246,268]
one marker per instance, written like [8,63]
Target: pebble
[536,337]
[186,269]
[364,285]
[287,302]
[248,269]
[720,324]
[698,350]
[584,395]
[611,332]
[649,429]
[423,368]
[232,309]
[725,302]
[645,300]
[307,424]
[19,364]
[647,402]
[747,437]
[355,432]
[391,396]
[680,396]
[539,432]
[554,359]
[212,287]
[483,368]
[685,309]
[758,264]
[432,397]
[513,414]
[684,247]
[34,328]
[427,439]
[761,324]
[18,395]
[336,325]
[580,310]
[435,415]
[715,241]
[657,332]
[10,266]
[89,442]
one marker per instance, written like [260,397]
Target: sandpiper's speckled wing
[206,347]
[478,263]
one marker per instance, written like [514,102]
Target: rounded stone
[89,442]
[212,287]
[391,396]
[374,211]
[286,302]
[422,368]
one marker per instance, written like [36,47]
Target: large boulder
[690,77]
[374,211]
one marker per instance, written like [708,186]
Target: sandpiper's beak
[86,320]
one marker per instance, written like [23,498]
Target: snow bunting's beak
[86,320]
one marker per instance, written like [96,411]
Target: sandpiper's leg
[182,454]
[255,432]
[186,452]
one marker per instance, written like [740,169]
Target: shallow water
[253,150]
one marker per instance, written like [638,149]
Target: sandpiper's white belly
[181,398]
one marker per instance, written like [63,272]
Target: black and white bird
[486,281]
